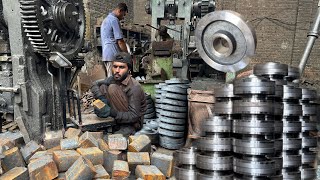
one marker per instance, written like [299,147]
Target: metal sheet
[225,41]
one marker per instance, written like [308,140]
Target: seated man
[123,95]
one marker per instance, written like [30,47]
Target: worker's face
[121,14]
[119,70]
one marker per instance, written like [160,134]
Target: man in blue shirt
[112,37]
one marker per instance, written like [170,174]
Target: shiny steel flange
[291,126]
[308,94]
[289,174]
[308,157]
[214,143]
[308,173]
[253,146]
[254,85]
[214,162]
[186,156]
[278,143]
[253,106]
[270,68]
[291,92]
[253,127]
[308,125]
[309,142]
[291,160]
[226,91]
[185,174]
[290,109]
[293,73]
[278,161]
[291,143]
[308,109]
[278,127]
[225,41]
[215,175]
[223,107]
[254,167]
[244,177]
[217,124]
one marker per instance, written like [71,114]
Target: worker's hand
[103,99]
[113,112]
[102,112]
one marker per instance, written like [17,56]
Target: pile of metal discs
[173,109]
[185,168]
[253,143]
[150,114]
[215,159]
[309,143]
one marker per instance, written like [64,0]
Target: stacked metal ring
[293,74]
[309,143]
[185,164]
[150,115]
[253,142]
[172,109]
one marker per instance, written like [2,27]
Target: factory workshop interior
[159,89]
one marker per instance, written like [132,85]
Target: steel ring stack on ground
[215,159]
[158,97]
[185,168]
[253,143]
[292,110]
[293,74]
[276,72]
[150,114]
[309,143]
[173,113]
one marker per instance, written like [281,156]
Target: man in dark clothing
[123,95]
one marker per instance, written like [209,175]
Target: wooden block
[81,169]
[120,169]
[12,158]
[103,146]
[68,144]
[16,173]
[101,172]
[163,162]
[87,140]
[149,173]
[109,158]
[61,176]
[94,154]
[40,154]
[141,144]
[72,132]
[29,149]
[43,168]
[97,135]
[117,142]
[65,159]
[137,158]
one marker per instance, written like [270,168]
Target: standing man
[112,37]
[122,95]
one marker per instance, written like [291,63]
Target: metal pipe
[312,36]
[9,89]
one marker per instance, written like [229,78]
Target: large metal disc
[225,41]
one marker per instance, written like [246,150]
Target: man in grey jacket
[124,97]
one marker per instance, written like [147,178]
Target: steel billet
[270,68]
[226,91]
[308,94]
[172,120]
[290,160]
[215,175]
[291,92]
[214,162]
[174,102]
[217,124]
[170,133]
[292,109]
[186,156]
[185,174]
[173,114]
[214,144]
[172,127]
[173,108]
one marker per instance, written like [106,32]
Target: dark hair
[122,7]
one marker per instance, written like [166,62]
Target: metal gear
[54,26]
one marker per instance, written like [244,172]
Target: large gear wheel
[54,26]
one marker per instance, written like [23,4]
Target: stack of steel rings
[254,143]
[309,143]
[215,159]
[185,168]
[150,114]
[172,109]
